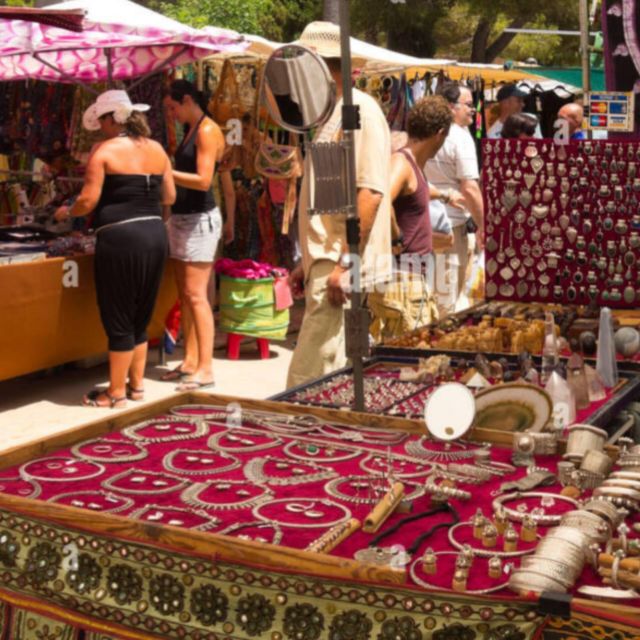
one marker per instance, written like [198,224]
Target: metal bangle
[500,468]
[605,510]
[516,516]
[615,567]
[423,583]
[485,553]
[525,576]
[558,571]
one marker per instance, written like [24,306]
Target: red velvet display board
[562,222]
[204,468]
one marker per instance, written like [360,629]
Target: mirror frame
[331,99]
[463,428]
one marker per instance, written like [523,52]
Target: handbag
[226,102]
[281,162]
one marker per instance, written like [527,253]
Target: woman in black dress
[127,182]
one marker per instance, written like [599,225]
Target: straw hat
[324,39]
[113,101]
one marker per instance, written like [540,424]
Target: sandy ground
[43,404]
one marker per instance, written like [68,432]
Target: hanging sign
[611,111]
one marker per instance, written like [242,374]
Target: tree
[280,20]
[402,26]
[491,17]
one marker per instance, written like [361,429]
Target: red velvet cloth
[160,491]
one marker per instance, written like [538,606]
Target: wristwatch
[345,261]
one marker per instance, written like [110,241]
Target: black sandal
[91,400]
[174,375]
[137,395]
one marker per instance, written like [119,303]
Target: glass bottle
[577,379]
[549,348]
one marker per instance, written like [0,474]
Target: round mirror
[449,411]
[298,89]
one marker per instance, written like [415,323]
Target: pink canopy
[120,39]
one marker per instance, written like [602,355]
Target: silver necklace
[199,456]
[193,495]
[120,451]
[148,482]
[199,412]
[254,471]
[77,499]
[354,435]
[333,488]
[66,466]
[388,465]
[167,429]
[32,492]
[158,512]
[312,453]
[419,449]
[215,442]
[309,508]
[256,524]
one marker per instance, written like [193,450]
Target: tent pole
[64,75]
[107,53]
[167,62]
[356,318]
[584,53]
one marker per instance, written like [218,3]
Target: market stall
[49,76]
[240,548]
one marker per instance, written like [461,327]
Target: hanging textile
[151,91]
[621,31]
[80,140]
[399,112]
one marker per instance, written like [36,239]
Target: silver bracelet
[432,587]
[485,553]
[539,518]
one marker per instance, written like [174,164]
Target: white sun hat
[113,101]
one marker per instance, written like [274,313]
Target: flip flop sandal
[174,374]
[194,385]
[91,400]
[136,395]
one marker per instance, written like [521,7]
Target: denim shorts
[194,237]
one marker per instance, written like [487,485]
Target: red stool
[233,346]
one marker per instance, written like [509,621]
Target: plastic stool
[233,346]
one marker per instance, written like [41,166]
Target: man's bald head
[573,113]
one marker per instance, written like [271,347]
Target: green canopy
[569,75]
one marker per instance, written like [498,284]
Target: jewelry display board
[562,221]
[387,394]
[115,527]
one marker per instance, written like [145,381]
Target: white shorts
[194,237]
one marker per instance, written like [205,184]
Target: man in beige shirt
[324,269]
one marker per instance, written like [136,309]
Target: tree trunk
[481,40]
[503,40]
[331,11]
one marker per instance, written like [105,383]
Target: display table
[49,314]
[160,523]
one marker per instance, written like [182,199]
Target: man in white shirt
[325,265]
[456,167]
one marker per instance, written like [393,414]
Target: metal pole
[354,317]
[585,53]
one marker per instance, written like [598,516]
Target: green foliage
[17,3]
[280,20]
[406,27]
[455,31]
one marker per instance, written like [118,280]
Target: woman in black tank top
[127,183]
[194,231]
